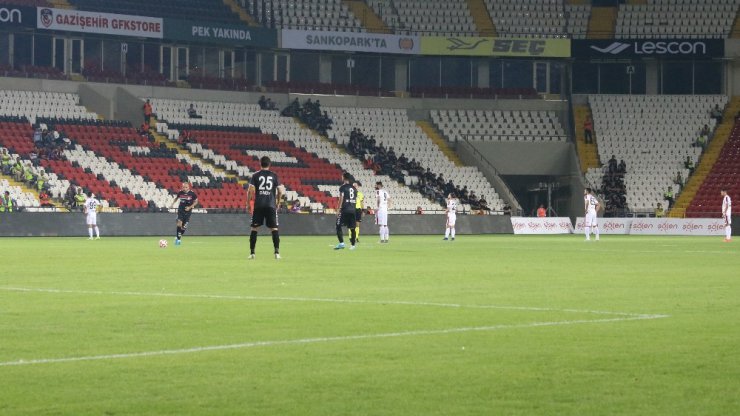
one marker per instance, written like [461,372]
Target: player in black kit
[346,214]
[266,191]
[188,200]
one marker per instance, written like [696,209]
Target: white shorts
[381,217]
[591,220]
[92,218]
[728,219]
[451,218]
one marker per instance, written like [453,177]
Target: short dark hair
[358,183]
[723,189]
[588,190]
[265,162]
[346,176]
[379,183]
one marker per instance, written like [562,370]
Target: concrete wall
[73,224]
[528,158]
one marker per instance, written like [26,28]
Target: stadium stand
[28,3]
[392,128]
[490,125]
[305,15]
[423,17]
[725,173]
[539,18]
[654,136]
[676,19]
[198,10]
[242,116]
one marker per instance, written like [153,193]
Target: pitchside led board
[488,46]
[649,48]
[15,17]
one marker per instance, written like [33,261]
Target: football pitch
[484,325]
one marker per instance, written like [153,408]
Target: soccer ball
[162,243]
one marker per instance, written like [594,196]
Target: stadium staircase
[160,138]
[707,162]
[481,17]
[243,15]
[602,23]
[367,17]
[439,141]
[588,154]
[31,190]
[735,32]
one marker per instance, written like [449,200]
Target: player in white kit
[451,214]
[591,206]
[727,215]
[381,214]
[91,213]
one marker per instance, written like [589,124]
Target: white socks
[596,231]
[384,233]
[97,232]
[90,231]
[588,232]
[452,232]
[447,233]
[728,232]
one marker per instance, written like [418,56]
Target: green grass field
[485,325]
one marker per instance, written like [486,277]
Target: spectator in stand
[193,113]
[622,167]
[716,114]
[588,130]
[262,103]
[69,196]
[45,200]
[418,210]
[659,212]
[507,209]
[5,160]
[38,138]
[7,204]
[678,180]
[668,196]
[689,164]
[18,171]
[483,204]
[148,112]
[80,199]
[613,164]
[541,211]
[296,208]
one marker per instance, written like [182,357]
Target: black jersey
[186,199]
[265,185]
[349,197]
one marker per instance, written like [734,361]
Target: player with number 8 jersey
[347,211]
[265,190]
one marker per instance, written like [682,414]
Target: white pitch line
[319,300]
[304,341]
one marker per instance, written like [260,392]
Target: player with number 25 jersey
[265,190]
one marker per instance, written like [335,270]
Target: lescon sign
[480,46]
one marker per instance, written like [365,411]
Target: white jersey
[726,205]
[452,206]
[91,206]
[590,202]
[382,197]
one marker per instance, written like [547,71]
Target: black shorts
[358,215]
[347,219]
[184,216]
[264,215]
